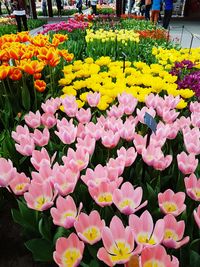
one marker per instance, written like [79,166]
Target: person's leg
[147,12]
[19,25]
[24,19]
[152,16]
[156,16]
[167,17]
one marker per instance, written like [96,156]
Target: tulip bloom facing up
[89,227]
[157,256]
[69,251]
[118,243]
[127,199]
[192,185]
[197,216]
[20,184]
[7,172]
[65,213]
[39,196]
[143,229]
[171,203]
[174,232]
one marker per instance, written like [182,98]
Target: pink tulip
[173,130]
[81,131]
[171,102]
[33,120]
[195,107]
[118,244]
[93,130]
[26,146]
[157,256]
[45,174]
[19,184]
[127,132]
[103,194]
[65,214]
[171,203]
[64,180]
[76,160]
[195,119]
[51,105]
[169,116]
[70,105]
[139,142]
[128,102]
[83,115]
[196,214]
[112,123]
[21,133]
[39,196]
[192,185]
[69,251]
[152,100]
[187,164]
[127,199]
[174,232]
[110,139]
[67,131]
[41,138]
[116,167]
[48,120]
[7,172]
[141,113]
[40,158]
[115,112]
[192,140]
[93,99]
[153,156]
[89,227]
[183,122]
[87,143]
[143,229]
[128,156]
[94,178]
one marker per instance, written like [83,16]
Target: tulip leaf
[25,98]
[194,258]
[94,263]
[41,249]
[61,232]
[45,228]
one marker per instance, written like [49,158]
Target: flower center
[197,192]
[169,207]
[70,257]
[120,251]
[19,187]
[91,233]
[153,263]
[144,239]
[126,203]
[105,197]
[170,234]
[40,201]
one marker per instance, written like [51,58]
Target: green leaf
[94,263]
[16,215]
[83,264]
[45,227]
[41,249]
[194,258]
[25,98]
[61,231]
[195,245]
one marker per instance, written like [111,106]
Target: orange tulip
[4,56]
[27,55]
[60,37]
[40,40]
[37,76]
[23,37]
[32,67]
[40,85]
[4,72]
[15,74]
[66,55]
[54,61]
[46,53]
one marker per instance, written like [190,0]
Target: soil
[13,253]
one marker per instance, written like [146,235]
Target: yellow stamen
[105,197]
[70,257]
[169,206]
[91,233]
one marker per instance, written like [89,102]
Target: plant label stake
[124,60]
[152,125]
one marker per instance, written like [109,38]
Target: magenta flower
[171,203]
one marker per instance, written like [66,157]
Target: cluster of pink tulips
[79,149]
